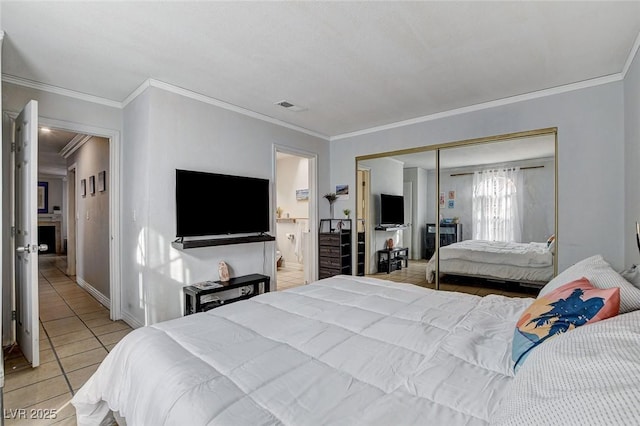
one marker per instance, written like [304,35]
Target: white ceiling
[50,162]
[509,151]
[353,65]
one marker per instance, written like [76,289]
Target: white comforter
[344,350]
[500,253]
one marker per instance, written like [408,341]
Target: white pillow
[601,275]
[588,375]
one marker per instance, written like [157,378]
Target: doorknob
[32,248]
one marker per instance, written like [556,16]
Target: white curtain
[497,205]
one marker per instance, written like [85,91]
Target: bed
[521,262]
[343,350]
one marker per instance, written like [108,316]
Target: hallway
[75,336]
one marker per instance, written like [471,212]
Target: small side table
[193,296]
[391,259]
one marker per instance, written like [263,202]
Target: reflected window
[496,205]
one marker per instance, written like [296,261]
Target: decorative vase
[331,210]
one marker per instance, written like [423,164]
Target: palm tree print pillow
[567,307]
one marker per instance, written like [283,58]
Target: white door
[407,234]
[26,232]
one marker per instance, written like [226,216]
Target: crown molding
[218,103]
[486,105]
[632,55]
[74,144]
[19,81]
[145,84]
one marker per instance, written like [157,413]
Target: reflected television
[391,209]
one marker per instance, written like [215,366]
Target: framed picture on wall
[92,185]
[43,197]
[102,181]
[83,187]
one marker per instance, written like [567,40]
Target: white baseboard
[129,319]
[95,293]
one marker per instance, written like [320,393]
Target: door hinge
[13,147]
[14,315]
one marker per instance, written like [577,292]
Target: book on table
[206,285]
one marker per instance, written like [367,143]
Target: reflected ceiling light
[45,129]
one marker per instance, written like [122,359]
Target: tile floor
[415,274]
[289,276]
[75,336]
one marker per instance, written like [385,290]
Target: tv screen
[216,204]
[391,209]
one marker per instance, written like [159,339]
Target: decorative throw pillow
[567,307]
[601,275]
[551,240]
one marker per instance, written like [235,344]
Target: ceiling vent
[291,107]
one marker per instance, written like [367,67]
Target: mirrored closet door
[478,215]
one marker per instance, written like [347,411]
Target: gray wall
[632,159]
[164,131]
[386,177]
[419,179]
[92,211]
[591,159]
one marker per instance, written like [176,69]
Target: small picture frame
[92,185]
[451,204]
[83,187]
[102,181]
[43,197]
[302,194]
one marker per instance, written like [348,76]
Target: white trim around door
[313,204]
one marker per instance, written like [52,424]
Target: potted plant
[331,197]
[346,212]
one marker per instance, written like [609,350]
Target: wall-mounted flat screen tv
[217,204]
[391,209]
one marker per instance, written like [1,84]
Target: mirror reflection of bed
[495,201]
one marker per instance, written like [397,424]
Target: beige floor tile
[110,338]
[15,365]
[93,315]
[97,307]
[57,313]
[31,375]
[79,377]
[95,322]
[110,328]
[51,404]
[84,359]
[35,393]
[65,339]
[78,347]
[110,347]
[69,421]
[46,355]
[64,326]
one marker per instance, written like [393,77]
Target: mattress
[343,350]
[499,252]
[522,262]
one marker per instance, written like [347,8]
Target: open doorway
[294,201]
[74,218]
[292,220]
